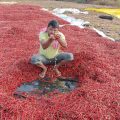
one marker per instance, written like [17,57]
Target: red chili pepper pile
[97,64]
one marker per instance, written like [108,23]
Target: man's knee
[70,56]
[35,62]
[38,60]
[38,63]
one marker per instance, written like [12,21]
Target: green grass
[98,2]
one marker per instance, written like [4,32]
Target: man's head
[52,27]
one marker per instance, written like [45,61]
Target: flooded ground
[40,88]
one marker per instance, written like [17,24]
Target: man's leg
[44,69]
[40,61]
[62,58]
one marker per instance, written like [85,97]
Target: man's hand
[52,37]
[45,44]
[57,36]
[62,43]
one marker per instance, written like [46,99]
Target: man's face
[51,30]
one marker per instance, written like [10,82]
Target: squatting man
[51,41]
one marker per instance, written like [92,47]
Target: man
[49,53]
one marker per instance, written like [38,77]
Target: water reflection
[39,87]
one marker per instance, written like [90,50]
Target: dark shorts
[37,58]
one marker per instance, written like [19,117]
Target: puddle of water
[40,88]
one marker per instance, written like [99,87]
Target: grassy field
[97,2]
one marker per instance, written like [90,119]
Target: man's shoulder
[43,33]
[42,36]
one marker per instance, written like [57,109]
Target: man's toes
[42,75]
[58,73]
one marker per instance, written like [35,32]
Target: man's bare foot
[43,73]
[57,72]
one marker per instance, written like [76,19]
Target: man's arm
[46,44]
[63,43]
